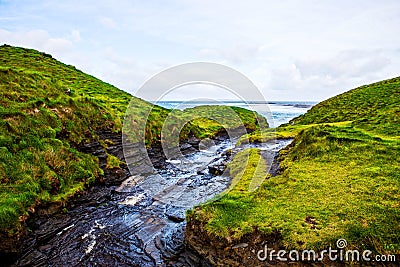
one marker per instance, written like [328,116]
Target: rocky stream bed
[117,222]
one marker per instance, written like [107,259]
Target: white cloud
[346,64]
[240,53]
[209,52]
[75,36]
[290,49]
[318,78]
[108,23]
[38,39]
[199,92]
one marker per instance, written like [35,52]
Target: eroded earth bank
[119,223]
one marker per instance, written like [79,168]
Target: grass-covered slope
[373,107]
[45,106]
[48,109]
[210,120]
[340,178]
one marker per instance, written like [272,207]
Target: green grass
[41,125]
[223,117]
[283,132]
[342,172]
[373,107]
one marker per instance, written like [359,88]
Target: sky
[291,50]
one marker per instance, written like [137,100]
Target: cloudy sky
[291,50]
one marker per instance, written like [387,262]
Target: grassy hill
[340,178]
[47,110]
[373,107]
[40,121]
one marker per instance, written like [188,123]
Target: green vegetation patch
[374,107]
[340,178]
[330,189]
[48,109]
[215,118]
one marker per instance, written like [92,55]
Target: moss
[113,162]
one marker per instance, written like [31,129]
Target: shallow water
[138,223]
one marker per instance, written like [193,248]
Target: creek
[126,225]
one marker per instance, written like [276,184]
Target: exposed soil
[128,220]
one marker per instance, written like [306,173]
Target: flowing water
[125,225]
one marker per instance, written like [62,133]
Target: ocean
[276,112]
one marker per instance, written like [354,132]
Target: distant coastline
[236,102]
[276,112]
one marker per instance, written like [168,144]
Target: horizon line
[233,101]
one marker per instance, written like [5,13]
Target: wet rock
[172,241]
[241,245]
[114,147]
[116,223]
[47,233]
[227,153]
[185,146]
[194,141]
[206,144]
[216,169]
[129,184]
[36,258]
[198,182]
[176,214]
[275,166]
